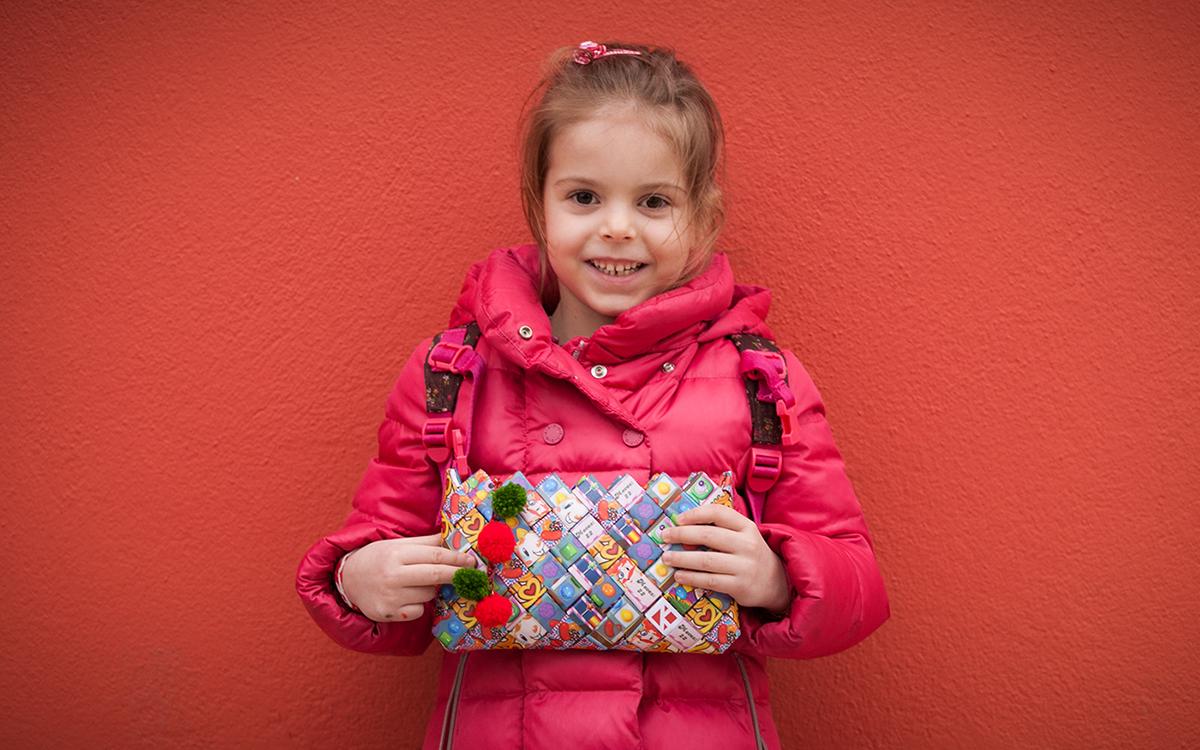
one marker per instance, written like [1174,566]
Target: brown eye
[655,202]
[584,198]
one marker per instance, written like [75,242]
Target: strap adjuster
[776,358]
[770,370]
[764,468]
[446,357]
[435,436]
[441,441]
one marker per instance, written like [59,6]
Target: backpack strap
[451,358]
[772,414]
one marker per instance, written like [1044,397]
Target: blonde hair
[659,88]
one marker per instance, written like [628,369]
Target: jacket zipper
[448,719]
[759,742]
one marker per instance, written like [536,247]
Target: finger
[418,595]
[715,537]
[726,584]
[422,575]
[404,599]
[432,540]
[718,515]
[405,613]
[419,554]
[704,561]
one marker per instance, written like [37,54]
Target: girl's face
[617,230]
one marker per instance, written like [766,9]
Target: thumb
[433,540]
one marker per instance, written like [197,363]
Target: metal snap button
[668,367]
[525,332]
[599,371]
[553,434]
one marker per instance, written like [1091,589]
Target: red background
[224,226]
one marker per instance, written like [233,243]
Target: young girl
[606,349]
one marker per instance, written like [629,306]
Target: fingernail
[665,535]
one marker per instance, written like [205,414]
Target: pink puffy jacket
[669,398]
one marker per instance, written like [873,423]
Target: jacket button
[633,438]
[525,332]
[599,371]
[553,434]
[668,367]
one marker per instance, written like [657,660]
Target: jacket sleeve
[400,496]
[813,521]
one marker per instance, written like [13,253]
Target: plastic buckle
[764,468]
[770,370]
[449,362]
[777,359]
[460,456]
[436,437]
[787,420]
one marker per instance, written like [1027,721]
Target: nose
[618,225]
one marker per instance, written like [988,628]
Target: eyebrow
[584,181]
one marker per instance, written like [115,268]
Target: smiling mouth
[615,269]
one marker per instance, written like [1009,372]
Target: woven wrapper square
[586,572]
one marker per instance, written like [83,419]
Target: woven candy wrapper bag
[576,567]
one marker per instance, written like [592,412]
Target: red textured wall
[224,226]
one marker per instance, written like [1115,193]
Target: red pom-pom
[496,542]
[493,610]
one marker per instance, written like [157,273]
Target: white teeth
[615,269]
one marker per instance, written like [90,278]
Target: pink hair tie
[589,51]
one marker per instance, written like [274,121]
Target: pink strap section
[761,476]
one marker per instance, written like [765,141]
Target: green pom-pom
[508,501]
[472,584]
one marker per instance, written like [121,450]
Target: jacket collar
[501,293]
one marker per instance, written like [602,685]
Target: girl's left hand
[737,562]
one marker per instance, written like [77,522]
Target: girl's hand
[390,580]
[738,561]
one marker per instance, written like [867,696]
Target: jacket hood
[501,294]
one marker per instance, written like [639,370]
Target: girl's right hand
[390,580]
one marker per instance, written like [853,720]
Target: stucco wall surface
[223,227]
